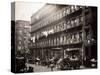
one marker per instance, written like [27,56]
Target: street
[39,68]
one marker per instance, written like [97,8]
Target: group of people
[21,65]
[68,62]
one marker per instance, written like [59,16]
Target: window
[51,18]
[61,39]
[40,43]
[58,28]
[80,36]
[52,41]
[72,23]
[20,31]
[65,39]
[19,47]
[54,29]
[72,8]
[55,17]
[57,40]
[80,6]
[76,7]
[68,24]
[81,18]
[64,25]
[19,42]
[19,38]
[60,14]
[68,11]
[49,42]
[64,12]
[77,21]
[77,37]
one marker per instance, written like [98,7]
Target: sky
[24,10]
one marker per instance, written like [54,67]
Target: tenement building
[60,31]
[22,36]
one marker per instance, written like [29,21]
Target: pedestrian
[52,66]
[31,69]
